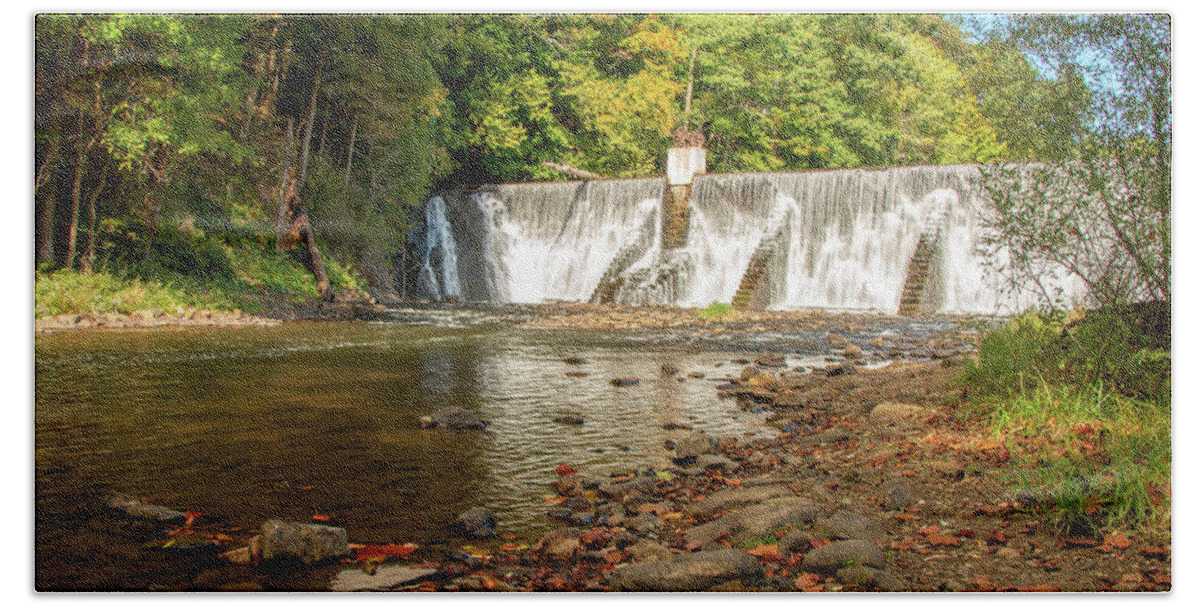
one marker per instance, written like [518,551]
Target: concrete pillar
[682,166]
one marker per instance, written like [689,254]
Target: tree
[1105,216]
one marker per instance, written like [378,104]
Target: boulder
[737,497]
[751,522]
[828,559]
[624,489]
[852,351]
[453,419]
[844,369]
[561,545]
[627,381]
[770,359]
[477,522]
[846,525]
[865,577]
[646,551]
[686,572]
[309,543]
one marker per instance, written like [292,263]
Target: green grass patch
[717,311]
[1088,457]
[67,291]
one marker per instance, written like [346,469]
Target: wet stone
[687,572]
[477,522]
[384,577]
[309,543]
[828,559]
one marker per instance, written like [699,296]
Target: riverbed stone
[868,578]
[770,359]
[852,351]
[136,509]
[689,445]
[453,419]
[384,577]
[624,489]
[845,525]
[687,572]
[309,543]
[737,497]
[647,551]
[843,369]
[478,522]
[828,559]
[715,461]
[754,521]
[561,545]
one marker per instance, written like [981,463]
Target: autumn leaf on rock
[768,553]
[565,469]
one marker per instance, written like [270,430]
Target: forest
[227,158]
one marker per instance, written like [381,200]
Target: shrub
[718,311]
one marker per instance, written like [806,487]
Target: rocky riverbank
[879,481]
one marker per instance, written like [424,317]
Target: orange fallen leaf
[766,552]
[1115,541]
[191,517]
[366,552]
[808,582]
[943,540]
[565,469]
[555,500]
[321,517]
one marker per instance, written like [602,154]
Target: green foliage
[1088,456]
[72,292]
[1085,402]
[717,311]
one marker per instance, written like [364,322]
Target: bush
[718,311]
[68,291]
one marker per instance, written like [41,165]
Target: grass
[717,311]
[250,276]
[1084,405]
[1088,457]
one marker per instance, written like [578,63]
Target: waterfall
[438,253]
[555,241]
[833,240]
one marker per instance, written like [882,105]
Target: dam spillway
[849,240]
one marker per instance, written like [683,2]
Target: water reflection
[287,422]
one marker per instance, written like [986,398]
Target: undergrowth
[1084,404]
[717,311]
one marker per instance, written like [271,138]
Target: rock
[627,381]
[687,446]
[715,461]
[385,577]
[737,497]
[676,426]
[668,369]
[309,543]
[748,372]
[477,522]
[866,577]
[852,351]
[765,380]
[836,340]
[686,572]
[846,525]
[643,523]
[899,416]
[561,545]
[575,360]
[646,551]
[453,419]
[239,557]
[844,369]
[137,509]
[578,503]
[569,419]
[828,559]
[622,490]
[751,522]
[581,519]
[770,359]
[696,375]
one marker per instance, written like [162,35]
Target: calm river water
[247,424]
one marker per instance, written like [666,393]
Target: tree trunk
[312,113]
[281,217]
[350,151]
[315,264]
[44,253]
[76,188]
[88,261]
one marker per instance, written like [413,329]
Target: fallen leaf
[808,582]
[320,517]
[943,540]
[1154,551]
[997,538]
[1114,542]
[565,469]
[191,517]
[366,552]
[766,552]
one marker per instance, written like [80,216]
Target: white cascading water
[834,240]
[441,275]
[555,241]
